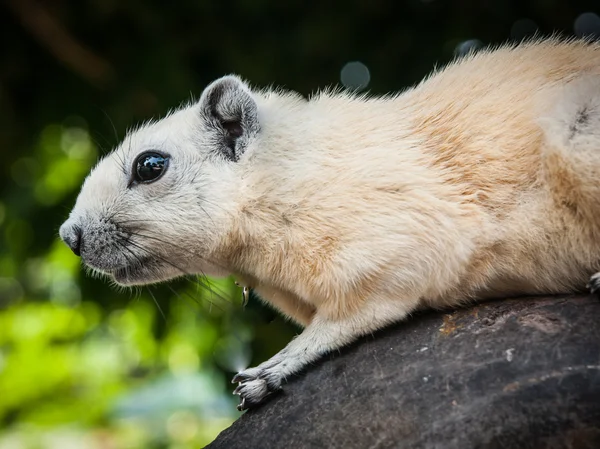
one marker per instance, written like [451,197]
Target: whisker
[137,260]
[208,215]
[184,250]
[174,245]
[114,128]
[143,220]
[164,260]
[205,283]
[100,146]
[212,203]
[193,299]
[157,304]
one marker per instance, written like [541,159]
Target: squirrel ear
[230,114]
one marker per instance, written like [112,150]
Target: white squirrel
[347,212]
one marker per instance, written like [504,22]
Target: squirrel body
[346,212]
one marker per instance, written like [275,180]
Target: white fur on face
[142,233]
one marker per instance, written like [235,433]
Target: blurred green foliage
[83,364]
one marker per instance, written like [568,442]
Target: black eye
[148,167]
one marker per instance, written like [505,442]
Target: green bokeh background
[82,364]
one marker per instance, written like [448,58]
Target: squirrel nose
[72,236]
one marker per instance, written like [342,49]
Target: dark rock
[518,373]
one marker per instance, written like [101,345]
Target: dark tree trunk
[518,373]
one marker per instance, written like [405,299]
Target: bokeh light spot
[468,46]
[355,75]
[587,25]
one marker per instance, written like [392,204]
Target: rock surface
[517,373]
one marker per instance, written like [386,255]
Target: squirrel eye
[149,167]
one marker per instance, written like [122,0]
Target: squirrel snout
[71,234]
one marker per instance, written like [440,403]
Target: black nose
[73,239]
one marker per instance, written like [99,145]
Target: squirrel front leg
[324,334]
[287,303]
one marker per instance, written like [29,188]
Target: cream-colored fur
[347,212]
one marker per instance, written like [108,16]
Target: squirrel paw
[594,284]
[255,385]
